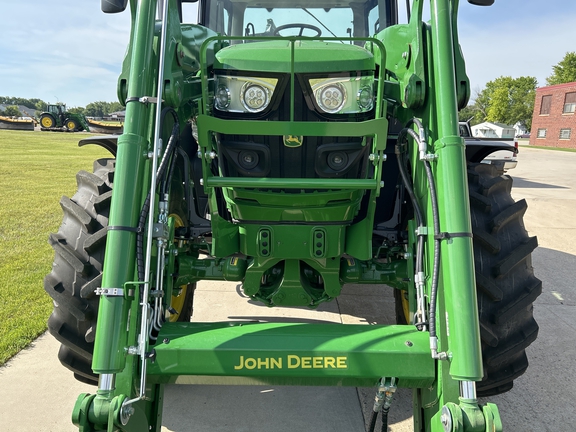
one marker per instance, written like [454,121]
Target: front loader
[294,149]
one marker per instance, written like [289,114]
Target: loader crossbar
[290,354]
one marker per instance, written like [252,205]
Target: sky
[69,51]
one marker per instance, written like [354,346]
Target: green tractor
[293,149]
[57,118]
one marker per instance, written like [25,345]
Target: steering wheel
[301,26]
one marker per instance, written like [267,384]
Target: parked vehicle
[500,153]
[56,118]
[293,163]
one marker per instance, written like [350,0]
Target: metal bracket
[144,99]
[422,231]
[110,292]
[448,236]
[376,157]
[211,155]
[160,230]
[123,228]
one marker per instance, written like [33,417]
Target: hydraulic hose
[170,148]
[419,267]
[404,174]
[383,401]
[420,139]
[140,238]
[436,265]
[385,410]
[168,159]
[373,419]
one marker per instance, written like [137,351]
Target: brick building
[553,120]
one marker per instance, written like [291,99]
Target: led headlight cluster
[243,94]
[343,95]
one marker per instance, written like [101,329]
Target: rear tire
[506,285]
[47,121]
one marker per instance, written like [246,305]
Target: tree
[95,109]
[468,113]
[77,110]
[101,109]
[564,71]
[28,103]
[12,111]
[508,100]
[481,103]
[41,106]
[114,107]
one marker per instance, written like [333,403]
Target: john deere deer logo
[293,141]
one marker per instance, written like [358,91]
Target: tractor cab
[325,18]
[57,110]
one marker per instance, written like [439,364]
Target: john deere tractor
[57,118]
[293,148]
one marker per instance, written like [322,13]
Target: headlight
[222,97]
[243,94]
[255,97]
[343,95]
[331,97]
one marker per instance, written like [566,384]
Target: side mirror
[481,2]
[113,6]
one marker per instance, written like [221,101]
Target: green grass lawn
[36,169]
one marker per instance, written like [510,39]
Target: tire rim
[406,308]
[46,122]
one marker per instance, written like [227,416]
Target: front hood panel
[309,57]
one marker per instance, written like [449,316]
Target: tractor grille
[316,157]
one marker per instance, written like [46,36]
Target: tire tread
[506,285]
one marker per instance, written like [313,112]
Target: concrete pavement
[37,394]
[35,374]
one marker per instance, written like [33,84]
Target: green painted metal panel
[292,241]
[207,124]
[288,183]
[334,352]
[309,56]
[306,206]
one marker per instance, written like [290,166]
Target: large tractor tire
[77,270]
[79,248]
[506,285]
[71,124]
[47,121]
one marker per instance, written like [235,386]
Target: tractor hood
[309,57]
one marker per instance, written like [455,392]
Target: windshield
[326,18]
